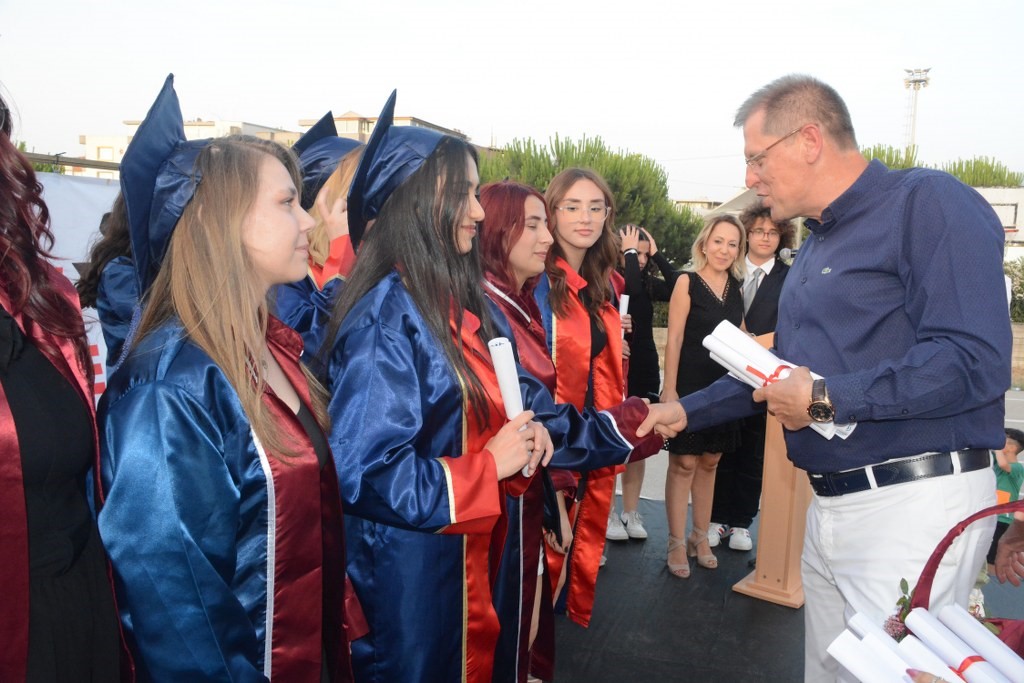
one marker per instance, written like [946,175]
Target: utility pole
[914,81]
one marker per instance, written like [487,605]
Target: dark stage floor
[650,626]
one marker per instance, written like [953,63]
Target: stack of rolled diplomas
[953,646]
[751,363]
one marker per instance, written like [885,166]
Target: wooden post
[785,495]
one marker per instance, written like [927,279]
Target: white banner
[76,206]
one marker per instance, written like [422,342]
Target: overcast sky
[661,79]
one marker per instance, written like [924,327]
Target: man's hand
[667,419]
[1010,554]
[788,399]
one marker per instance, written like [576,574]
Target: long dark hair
[114,241]
[25,243]
[647,273]
[416,233]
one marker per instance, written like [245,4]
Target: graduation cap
[392,154]
[320,149]
[158,180]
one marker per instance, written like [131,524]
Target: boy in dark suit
[738,482]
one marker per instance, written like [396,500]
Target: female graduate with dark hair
[426,455]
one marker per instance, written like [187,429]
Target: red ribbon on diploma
[966,664]
[768,379]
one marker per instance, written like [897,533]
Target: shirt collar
[573,279]
[854,196]
[765,267]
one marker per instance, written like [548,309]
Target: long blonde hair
[207,282]
[697,257]
[336,186]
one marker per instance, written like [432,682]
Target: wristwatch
[821,408]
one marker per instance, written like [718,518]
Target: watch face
[821,412]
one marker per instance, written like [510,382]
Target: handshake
[787,390]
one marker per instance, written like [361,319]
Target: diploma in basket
[751,363]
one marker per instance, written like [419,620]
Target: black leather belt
[902,471]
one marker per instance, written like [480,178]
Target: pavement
[650,626]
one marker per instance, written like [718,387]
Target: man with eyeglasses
[891,301]
[738,480]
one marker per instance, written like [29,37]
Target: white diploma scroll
[508,381]
[921,658]
[623,310]
[756,366]
[862,626]
[971,631]
[862,660]
[957,654]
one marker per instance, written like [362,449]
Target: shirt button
[803,280]
[796,326]
[905,411]
[821,239]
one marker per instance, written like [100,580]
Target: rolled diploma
[888,657]
[971,631]
[623,309]
[860,660]
[738,353]
[862,626]
[508,381]
[950,648]
[740,368]
[921,658]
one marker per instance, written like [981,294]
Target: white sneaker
[716,533]
[604,561]
[739,539]
[634,525]
[615,530]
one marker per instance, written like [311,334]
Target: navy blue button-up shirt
[897,298]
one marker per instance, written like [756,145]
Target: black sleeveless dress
[697,370]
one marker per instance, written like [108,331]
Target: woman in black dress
[701,299]
[57,615]
[639,256]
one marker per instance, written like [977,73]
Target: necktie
[750,289]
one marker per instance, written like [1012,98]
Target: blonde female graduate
[222,517]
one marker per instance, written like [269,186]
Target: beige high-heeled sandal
[680,571]
[698,536]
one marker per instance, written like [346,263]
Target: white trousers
[857,547]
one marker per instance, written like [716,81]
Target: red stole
[481,622]
[571,354]
[309,565]
[339,262]
[14,576]
[531,341]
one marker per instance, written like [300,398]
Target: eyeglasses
[759,233]
[598,212]
[758,159]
